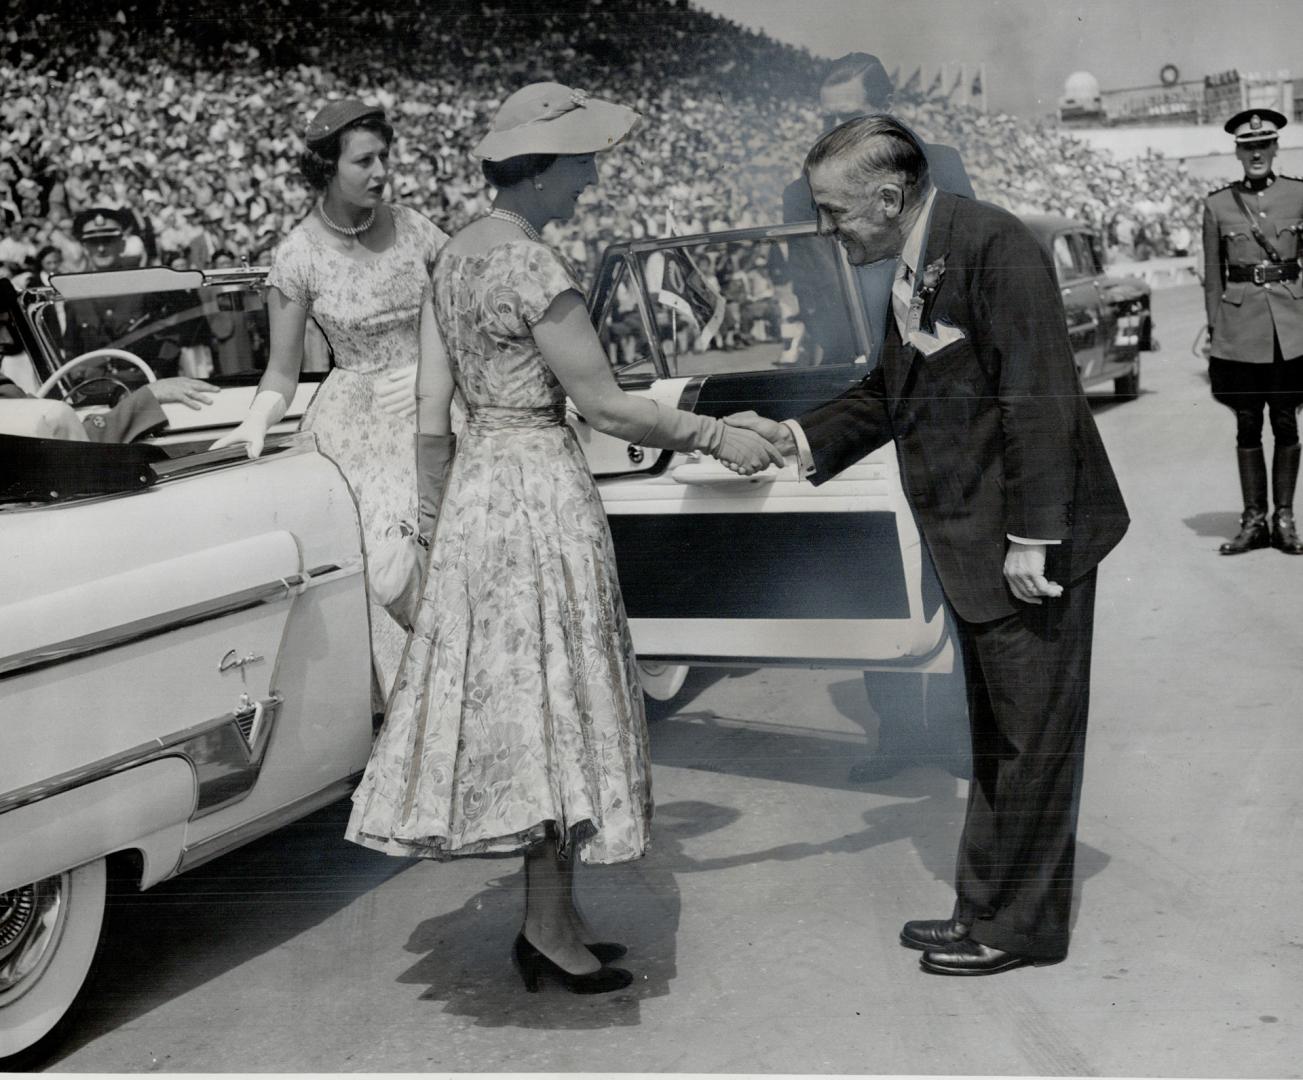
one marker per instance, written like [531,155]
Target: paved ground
[763,927]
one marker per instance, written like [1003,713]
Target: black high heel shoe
[533,965]
[605,951]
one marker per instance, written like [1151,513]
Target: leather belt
[1263,272]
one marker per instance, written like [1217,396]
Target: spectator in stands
[48,261]
[172,108]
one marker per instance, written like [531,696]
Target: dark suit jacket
[993,432]
[821,307]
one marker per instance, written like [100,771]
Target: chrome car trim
[233,660]
[206,461]
[166,621]
[241,834]
[32,920]
[226,762]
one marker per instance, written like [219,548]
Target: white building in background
[1174,101]
[1182,120]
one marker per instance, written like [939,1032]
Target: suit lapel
[935,245]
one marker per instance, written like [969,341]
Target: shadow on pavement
[928,807]
[467,964]
[1222,524]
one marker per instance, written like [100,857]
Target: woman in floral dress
[516,723]
[358,266]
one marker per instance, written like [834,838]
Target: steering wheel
[95,354]
[96,380]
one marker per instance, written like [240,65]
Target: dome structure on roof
[1081,86]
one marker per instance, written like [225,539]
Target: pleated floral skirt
[517,702]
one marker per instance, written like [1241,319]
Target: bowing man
[1015,497]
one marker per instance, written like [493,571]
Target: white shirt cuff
[1024,540]
[804,457]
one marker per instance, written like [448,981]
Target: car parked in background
[1109,320]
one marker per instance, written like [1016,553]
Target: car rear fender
[143,809]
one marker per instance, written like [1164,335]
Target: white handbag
[395,568]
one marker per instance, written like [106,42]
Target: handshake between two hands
[752,443]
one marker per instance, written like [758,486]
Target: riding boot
[1253,522]
[1284,477]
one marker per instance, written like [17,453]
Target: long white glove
[396,391]
[267,408]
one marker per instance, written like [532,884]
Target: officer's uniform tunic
[1249,318]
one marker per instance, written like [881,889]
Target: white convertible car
[183,638]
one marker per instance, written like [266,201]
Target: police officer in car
[111,321]
[1254,300]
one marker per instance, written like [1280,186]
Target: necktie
[902,291]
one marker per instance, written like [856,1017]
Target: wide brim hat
[334,117]
[1255,126]
[549,118]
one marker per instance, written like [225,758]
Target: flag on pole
[679,284]
[958,87]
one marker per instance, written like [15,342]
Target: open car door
[718,568]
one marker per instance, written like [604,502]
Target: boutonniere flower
[932,275]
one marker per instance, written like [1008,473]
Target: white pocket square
[945,335]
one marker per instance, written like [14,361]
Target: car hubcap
[31,920]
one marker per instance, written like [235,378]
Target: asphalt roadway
[763,927]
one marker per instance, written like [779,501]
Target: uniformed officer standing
[1254,300]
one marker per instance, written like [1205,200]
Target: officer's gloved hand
[396,391]
[267,408]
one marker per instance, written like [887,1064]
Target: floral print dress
[369,309]
[517,702]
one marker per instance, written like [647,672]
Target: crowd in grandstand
[188,116]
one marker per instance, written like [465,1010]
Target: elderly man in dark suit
[1001,460]
[909,733]
[857,85]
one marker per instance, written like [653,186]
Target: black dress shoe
[933,934]
[969,957]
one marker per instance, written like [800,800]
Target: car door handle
[712,472]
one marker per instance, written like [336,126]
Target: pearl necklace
[520,222]
[347,230]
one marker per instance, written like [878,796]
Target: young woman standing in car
[358,266]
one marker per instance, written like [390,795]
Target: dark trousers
[1029,688]
[1249,388]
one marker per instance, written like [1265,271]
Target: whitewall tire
[49,933]
[661,682]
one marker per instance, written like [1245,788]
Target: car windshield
[216,330]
